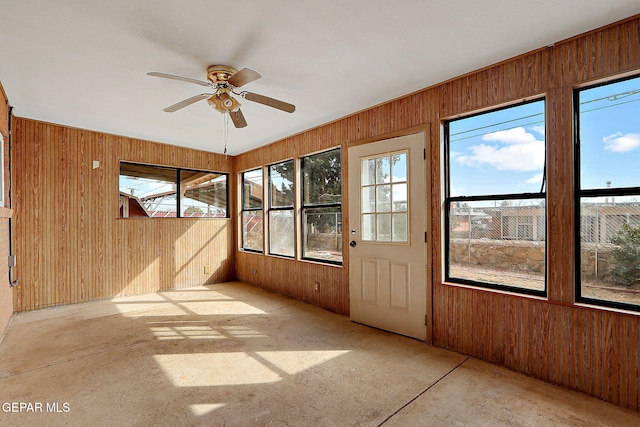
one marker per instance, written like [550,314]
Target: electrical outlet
[317,286]
[207,269]
[255,271]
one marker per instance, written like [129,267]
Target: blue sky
[503,151]
[610,135]
[500,152]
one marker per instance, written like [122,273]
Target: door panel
[370,282]
[400,286]
[387,219]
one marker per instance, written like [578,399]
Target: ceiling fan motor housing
[220,73]
[222,101]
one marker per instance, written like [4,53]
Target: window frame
[304,206]
[284,208]
[257,209]
[580,193]
[178,205]
[448,200]
[180,198]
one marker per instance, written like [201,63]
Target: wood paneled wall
[593,350]
[6,297]
[70,244]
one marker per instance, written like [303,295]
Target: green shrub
[626,256]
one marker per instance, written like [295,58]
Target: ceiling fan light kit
[223,80]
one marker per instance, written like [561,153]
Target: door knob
[352,244]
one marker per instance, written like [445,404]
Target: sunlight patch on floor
[207,308]
[180,331]
[151,309]
[214,369]
[205,408]
[183,307]
[295,362]
[226,369]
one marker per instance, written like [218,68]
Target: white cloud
[538,129]
[619,143]
[522,152]
[510,136]
[536,179]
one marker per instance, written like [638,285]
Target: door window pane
[383,198]
[400,228]
[384,189]
[368,199]
[369,228]
[383,227]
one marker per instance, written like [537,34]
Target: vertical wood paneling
[71,245]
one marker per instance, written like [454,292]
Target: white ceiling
[83,63]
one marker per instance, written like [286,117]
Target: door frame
[428,205]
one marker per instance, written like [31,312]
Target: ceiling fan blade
[184,79]
[238,118]
[265,100]
[188,101]
[243,77]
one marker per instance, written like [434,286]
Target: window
[521,227]
[151,192]
[322,207]
[203,194]
[383,192]
[608,193]
[318,201]
[252,221]
[281,214]
[495,211]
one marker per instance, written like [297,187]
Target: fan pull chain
[226,131]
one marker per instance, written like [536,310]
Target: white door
[387,220]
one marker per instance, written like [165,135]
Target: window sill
[318,262]
[6,213]
[147,218]
[604,308]
[496,291]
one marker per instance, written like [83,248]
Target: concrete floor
[231,354]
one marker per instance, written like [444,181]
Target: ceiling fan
[223,80]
